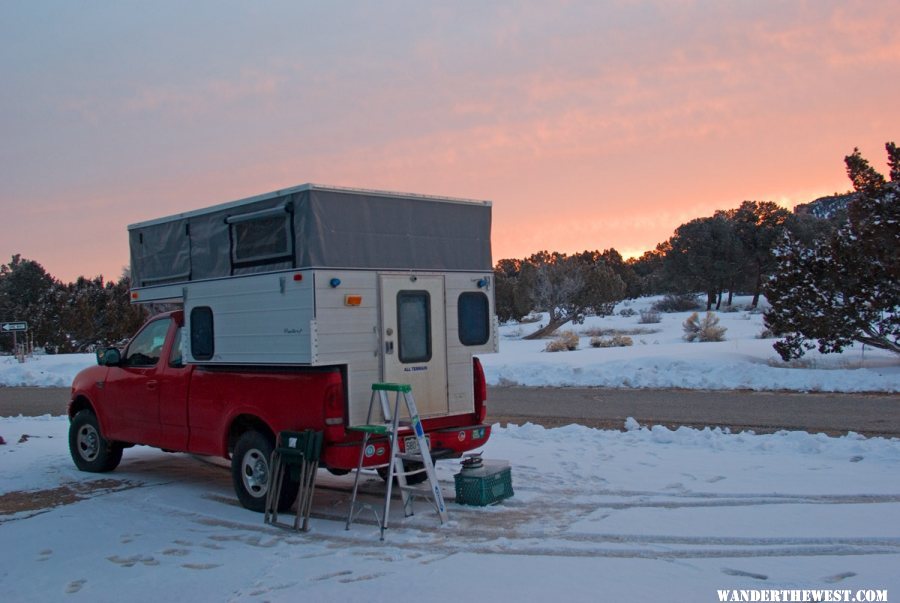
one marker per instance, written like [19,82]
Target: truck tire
[89,449]
[251,474]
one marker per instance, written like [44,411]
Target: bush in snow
[766,333]
[705,329]
[681,302]
[650,317]
[627,312]
[616,341]
[566,341]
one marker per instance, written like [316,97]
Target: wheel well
[244,423]
[78,404]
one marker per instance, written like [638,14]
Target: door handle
[388,347]
[151,385]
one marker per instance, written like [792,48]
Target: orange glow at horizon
[588,125]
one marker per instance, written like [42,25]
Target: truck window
[202,340]
[473,312]
[414,326]
[146,347]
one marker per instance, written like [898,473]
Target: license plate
[412,444]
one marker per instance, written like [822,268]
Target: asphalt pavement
[867,414]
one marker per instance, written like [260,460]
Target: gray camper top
[313,226]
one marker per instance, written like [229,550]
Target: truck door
[132,389]
[414,338]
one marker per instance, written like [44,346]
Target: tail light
[480,388]
[334,411]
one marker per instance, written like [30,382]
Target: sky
[589,125]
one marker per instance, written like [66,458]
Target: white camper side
[389,286]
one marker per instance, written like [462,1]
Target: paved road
[869,414]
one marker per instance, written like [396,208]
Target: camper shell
[386,286]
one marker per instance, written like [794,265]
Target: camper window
[414,326]
[202,342]
[261,237]
[473,312]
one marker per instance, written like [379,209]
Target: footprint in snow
[332,575]
[838,577]
[201,566]
[74,586]
[734,572]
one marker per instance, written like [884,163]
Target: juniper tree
[844,287]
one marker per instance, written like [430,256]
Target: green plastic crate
[486,485]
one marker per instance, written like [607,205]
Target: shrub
[627,312]
[601,332]
[616,341]
[767,333]
[681,302]
[565,341]
[650,317]
[705,329]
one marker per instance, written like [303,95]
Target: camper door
[414,338]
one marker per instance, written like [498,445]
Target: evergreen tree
[704,255]
[513,281]
[569,288]
[758,226]
[28,293]
[845,287]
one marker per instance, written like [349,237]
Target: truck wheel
[251,474]
[89,449]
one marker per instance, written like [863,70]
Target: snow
[647,514]
[658,359]
[644,514]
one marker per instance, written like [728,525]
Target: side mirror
[109,357]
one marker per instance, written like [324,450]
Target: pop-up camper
[295,304]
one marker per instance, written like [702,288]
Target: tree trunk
[710,300]
[757,290]
[549,329]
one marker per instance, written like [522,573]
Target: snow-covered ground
[642,515]
[645,515]
[658,358]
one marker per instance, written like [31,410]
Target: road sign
[13,327]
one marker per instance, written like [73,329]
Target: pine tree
[845,287]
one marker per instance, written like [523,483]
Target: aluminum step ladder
[391,429]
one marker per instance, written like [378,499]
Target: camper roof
[312,226]
[300,188]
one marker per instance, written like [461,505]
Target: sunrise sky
[589,124]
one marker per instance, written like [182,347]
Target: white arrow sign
[9,327]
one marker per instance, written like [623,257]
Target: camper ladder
[390,429]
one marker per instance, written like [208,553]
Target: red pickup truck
[148,395]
